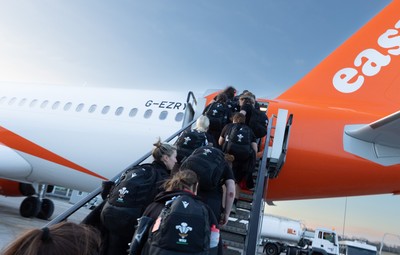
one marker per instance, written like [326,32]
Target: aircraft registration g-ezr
[345,140]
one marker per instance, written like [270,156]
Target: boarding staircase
[240,236]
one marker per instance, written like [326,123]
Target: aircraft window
[44,104]
[2,100]
[105,109]
[147,113]
[163,115]
[33,103]
[79,107]
[92,108]
[67,106]
[179,116]
[119,111]
[22,102]
[56,105]
[133,112]
[12,101]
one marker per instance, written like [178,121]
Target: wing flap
[378,141]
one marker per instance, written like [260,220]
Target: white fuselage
[78,136]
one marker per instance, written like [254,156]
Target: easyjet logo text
[369,62]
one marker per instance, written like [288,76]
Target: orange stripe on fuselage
[19,143]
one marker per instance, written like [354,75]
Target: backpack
[218,115]
[258,122]
[208,163]
[183,227]
[133,191]
[233,105]
[238,141]
[135,188]
[188,141]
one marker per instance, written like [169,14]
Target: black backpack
[208,163]
[183,227]
[218,115]
[238,141]
[258,122]
[233,105]
[133,191]
[188,141]
[135,188]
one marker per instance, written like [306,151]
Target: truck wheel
[271,249]
[291,251]
[316,253]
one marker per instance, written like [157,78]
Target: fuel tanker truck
[284,235]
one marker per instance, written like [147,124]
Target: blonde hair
[162,149]
[183,179]
[202,123]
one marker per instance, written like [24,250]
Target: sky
[264,46]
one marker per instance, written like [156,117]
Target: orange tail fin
[362,74]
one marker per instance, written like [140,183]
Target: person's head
[202,123]
[247,98]
[238,118]
[230,92]
[221,98]
[64,238]
[165,153]
[184,179]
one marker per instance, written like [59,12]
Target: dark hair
[230,92]
[183,179]
[162,149]
[238,117]
[221,98]
[64,238]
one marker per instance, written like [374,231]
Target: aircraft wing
[378,141]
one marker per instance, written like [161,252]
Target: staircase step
[234,233]
[238,227]
[242,214]
[228,251]
[246,195]
[243,204]
[233,240]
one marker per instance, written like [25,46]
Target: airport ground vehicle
[348,247]
[290,236]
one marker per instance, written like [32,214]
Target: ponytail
[183,179]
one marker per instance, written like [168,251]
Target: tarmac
[12,224]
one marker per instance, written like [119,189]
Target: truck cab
[325,242]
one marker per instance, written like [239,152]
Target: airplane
[344,140]
[77,137]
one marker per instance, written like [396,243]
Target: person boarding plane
[346,126]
